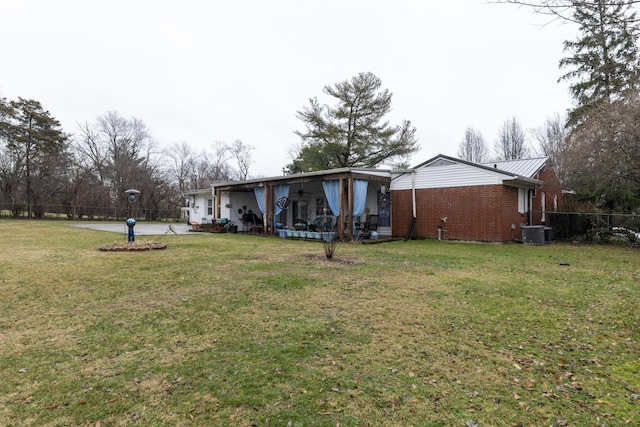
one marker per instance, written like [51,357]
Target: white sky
[202,71]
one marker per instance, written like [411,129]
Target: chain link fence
[91,213]
[565,225]
[594,226]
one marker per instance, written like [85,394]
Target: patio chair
[327,226]
[252,221]
[317,224]
[365,229]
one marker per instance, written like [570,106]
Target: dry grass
[226,329]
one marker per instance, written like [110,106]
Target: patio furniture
[364,229]
[252,221]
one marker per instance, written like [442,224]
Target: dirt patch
[335,260]
[142,245]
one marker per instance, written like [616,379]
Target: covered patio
[330,200]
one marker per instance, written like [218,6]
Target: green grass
[229,329]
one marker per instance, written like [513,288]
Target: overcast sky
[205,71]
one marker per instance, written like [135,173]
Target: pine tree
[32,135]
[604,59]
[354,133]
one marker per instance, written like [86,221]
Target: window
[300,210]
[523,200]
[543,202]
[384,209]
[209,206]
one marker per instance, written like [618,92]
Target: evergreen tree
[353,133]
[604,59]
[32,136]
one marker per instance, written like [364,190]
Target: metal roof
[518,176]
[521,167]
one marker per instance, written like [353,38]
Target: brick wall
[477,213]
[550,187]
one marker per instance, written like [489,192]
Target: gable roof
[521,167]
[460,172]
[518,169]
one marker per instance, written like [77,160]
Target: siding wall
[478,213]
[198,212]
[447,176]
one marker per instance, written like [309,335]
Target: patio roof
[345,175]
[380,175]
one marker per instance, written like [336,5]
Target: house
[450,198]
[200,205]
[332,199]
[444,198]
[548,196]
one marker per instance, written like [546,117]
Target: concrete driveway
[141,229]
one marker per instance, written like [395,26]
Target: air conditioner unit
[533,235]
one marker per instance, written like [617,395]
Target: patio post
[267,209]
[350,207]
[216,204]
[341,223]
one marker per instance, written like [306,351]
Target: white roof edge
[371,171]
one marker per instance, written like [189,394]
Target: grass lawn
[238,330]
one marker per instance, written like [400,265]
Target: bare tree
[603,154]
[92,152]
[564,10]
[242,155]
[120,151]
[551,138]
[473,147]
[219,169]
[182,166]
[511,142]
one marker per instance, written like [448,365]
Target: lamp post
[131,195]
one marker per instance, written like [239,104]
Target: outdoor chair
[252,221]
[322,224]
[365,228]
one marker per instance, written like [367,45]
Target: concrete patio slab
[141,229]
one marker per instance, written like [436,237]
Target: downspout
[413,192]
[216,205]
[413,205]
[530,216]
